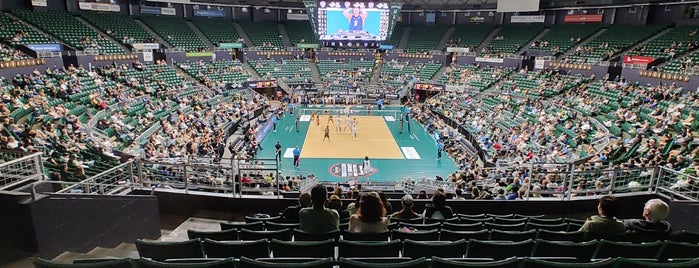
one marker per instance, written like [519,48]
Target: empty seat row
[494,250]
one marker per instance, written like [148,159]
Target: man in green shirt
[318,219]
[605,224]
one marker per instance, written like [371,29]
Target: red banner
[583,18]
[638,59]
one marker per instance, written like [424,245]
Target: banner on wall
[638,59]
[148,56]
[490,60]
[230,45]
[146,46]
[211,13]
[583,18]
[39,3]
[539,64]
[157,10]
[528,19]
[458,49]
[476,19]
[45,47]
[296,16]
[306,45]
[89,5]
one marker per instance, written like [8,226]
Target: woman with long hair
[371,216]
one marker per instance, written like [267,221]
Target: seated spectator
[605,223]
[438,209]
[371,216]
[407,212]
[336,203]
[291,213]
[654,213]
[318,219]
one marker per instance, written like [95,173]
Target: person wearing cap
[407,211]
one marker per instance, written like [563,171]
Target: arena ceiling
[442,4]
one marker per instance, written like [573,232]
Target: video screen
[353,21]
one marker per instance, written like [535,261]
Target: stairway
[536,38]
[105,35]
[438,74]
[123,250]
[243,34]
[152,33]
[284,35]
[200,35]
[646,41]
[442,43]
[375,74]
[50,37]
[404,39]
[316,73]
[251,71]
[487,40]
[584,42]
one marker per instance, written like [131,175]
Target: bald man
[654,214]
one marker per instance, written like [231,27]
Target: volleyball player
[338,124]
[331,121]
[317,120]
[348,122]
[353,128]
[327,133]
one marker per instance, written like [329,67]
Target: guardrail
[20,170]
[676,185]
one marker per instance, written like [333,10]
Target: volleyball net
[351,110]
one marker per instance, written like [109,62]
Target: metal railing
[22,168]
[676,185]
[112,181]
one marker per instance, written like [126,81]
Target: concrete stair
[243,34]
[447,35]
[200,35]
[488,39]
[536,38]
[316,73]
[152,33]
[123,250]
[284,35]
[251,71]
[404,39]
[583,43]
[105,35]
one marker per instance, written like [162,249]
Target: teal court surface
[393,155]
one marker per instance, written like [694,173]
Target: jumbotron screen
[353,21]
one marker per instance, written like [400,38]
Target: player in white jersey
[348,122]
[338,124]
[353,128]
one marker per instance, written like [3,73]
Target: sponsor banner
[230,45]
[148,56]
[458,49]
[638,59]
[539,64]
[170,11]
[304,45]
[45,47]
[476,19]
[528,19]
[99,7]
[296,16]
[211,13]
[198,54]
[583,18]
[146,46]
[491,60]
[350,170]
[39,3]
[386,47]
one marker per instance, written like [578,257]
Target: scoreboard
[262,84]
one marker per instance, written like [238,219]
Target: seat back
[539,263]
[353,236]
[470,227]
[576,236]
[679,250]
[612,249]
[499,250]
[369,249]
[274,226]
[418,263]
[254,226]
[159,251]
[427,249]
[505,227]
[559,227]
[512,235]
[432,235]
[115,263]
[581,251]
[198,263]
[236,249]
[512,262]
[422,227]
[447,235]
[685,236]
[250,263]
[300,235]
[635,263]
[305,249]
[246,234]
[225,235]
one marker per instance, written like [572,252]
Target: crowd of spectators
[8,53]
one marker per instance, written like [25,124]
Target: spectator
[336,203]
[291,213]
[318,219]
[407,212]
[371,216]
[605,223]
[438,209]
[654,213]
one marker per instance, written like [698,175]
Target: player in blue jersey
[356,18]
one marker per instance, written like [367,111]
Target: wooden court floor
[374,139]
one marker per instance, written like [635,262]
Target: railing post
[184,175]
